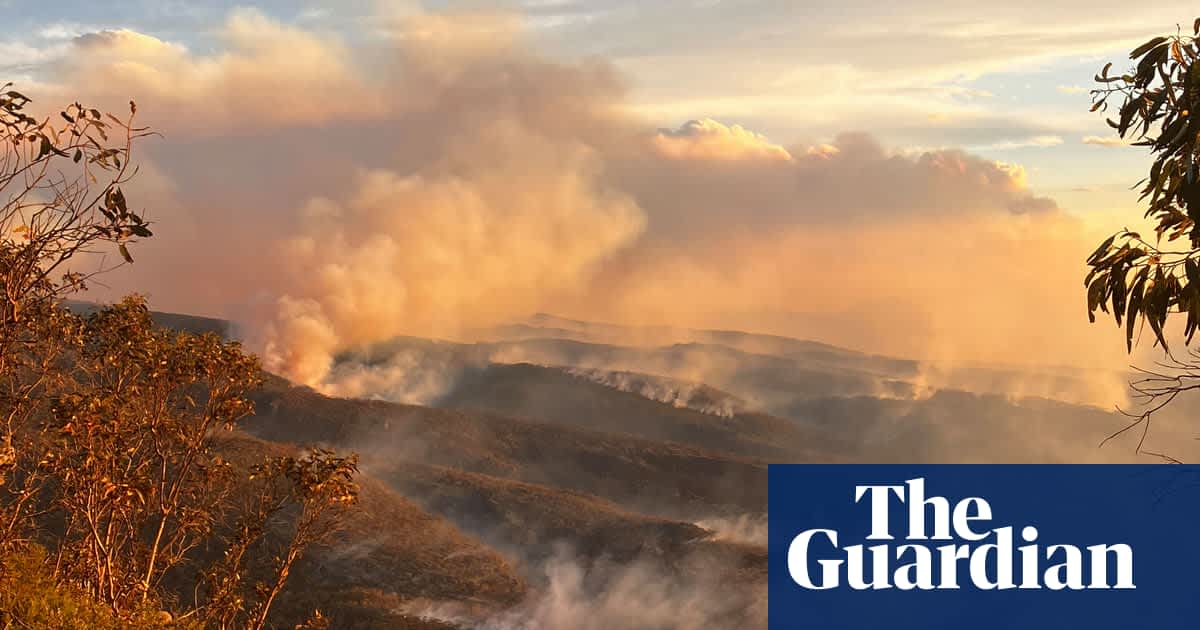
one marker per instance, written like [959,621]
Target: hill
[553,395]
[663,477]
[551,498]
[390,551]
[563,482]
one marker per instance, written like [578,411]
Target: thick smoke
[481,241]
[442,176]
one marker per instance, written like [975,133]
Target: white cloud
[312,14]
[19,55]
[794,72]
[1105,141]
[1023,143]
[784,69]
[709,139]
[66,30]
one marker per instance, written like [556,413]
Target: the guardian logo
[947,547]
[982,546]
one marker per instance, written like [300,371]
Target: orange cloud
[267,75]
[711,140]
[465,180]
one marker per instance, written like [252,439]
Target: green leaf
[125,253]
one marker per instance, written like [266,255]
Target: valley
[553,474]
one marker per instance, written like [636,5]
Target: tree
[60,198]
[1142,281]
[32,598]
[313,487]
[131,466]
[111,428]
[127,445]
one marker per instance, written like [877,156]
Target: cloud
[1105,141]
[961,92]
[799,73]
[313,14]
[1034,141]
[811,73]
[466,179]
[19,59]
[268,74]
[711,140]
[65,30]
[979,130]
[1071,89]
[123,46]
[934,256]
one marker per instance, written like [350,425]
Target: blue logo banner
[984,547]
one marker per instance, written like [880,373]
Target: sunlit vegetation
[1143,280]
[117,509]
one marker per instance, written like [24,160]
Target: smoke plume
[444,176]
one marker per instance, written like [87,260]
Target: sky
[1005,81]
[919,179]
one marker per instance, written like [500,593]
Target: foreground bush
[31,598]
[108,424]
